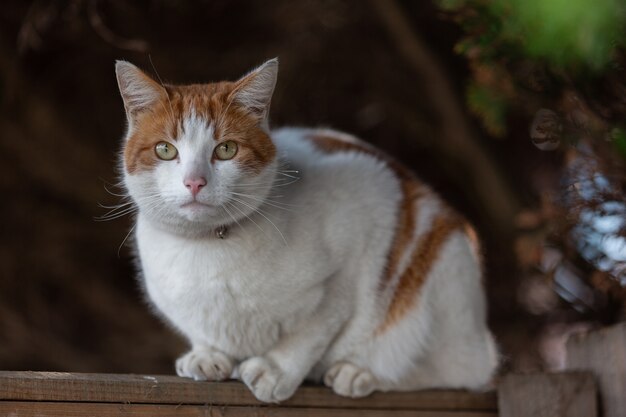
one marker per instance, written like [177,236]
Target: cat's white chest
[210,294]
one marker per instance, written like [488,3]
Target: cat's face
[199,156]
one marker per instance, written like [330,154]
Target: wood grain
[52,409]
[146,389]
[603,352]
[570,394]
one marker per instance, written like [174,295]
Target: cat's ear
[138,90]
[254,90]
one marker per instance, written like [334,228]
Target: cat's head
[197,156]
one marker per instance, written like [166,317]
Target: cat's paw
[266,380]
[204,364]
[349,380]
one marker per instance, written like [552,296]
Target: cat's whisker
[115,206]
[231,215]
[107,219]
[154,205]
[257,210]
[114,193]
[118,185]
[116,211]
[257,185]
[116,214]
[261,199]
[250,218]
[287,175]
[119,249]
[274,196]
[269,202]
[279,182]
[126,208]
[283,184]
[272,203]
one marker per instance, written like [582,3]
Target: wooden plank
[59,409]
[568,394]
[75,387]
[603,352]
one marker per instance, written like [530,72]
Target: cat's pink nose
[194,184]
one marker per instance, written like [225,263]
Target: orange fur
[475,244]
[212,102]
[411,191]
[428,247]
[404,229]
[422,259]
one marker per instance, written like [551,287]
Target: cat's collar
[221,232]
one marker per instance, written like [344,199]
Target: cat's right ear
[254,91]
[138,90]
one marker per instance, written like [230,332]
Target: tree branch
[496,198]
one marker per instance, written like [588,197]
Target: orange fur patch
[331,144]
[163,122]
[422,260]
[404,229]
[475,244]
[428,247]
[411,192]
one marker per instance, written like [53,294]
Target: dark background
[68,297]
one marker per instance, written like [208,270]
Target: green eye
[226,150]
[165,151]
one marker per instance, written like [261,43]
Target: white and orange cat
[292,254]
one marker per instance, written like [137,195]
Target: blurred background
[515,111]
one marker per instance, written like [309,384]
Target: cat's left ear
[139,91]
[254,91]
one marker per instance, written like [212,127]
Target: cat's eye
[226,150]
[165,151]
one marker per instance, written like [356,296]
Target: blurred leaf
[618,136]
[566,33]
[450,4]
[489,106]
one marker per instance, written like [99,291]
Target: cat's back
[346,168]
[345,183]
[335,160]
[358,185]
[317,146]
[327,148]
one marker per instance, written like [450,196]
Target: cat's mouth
[197,205]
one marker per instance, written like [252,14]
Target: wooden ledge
[30,393]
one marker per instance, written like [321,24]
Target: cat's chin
[193,222]
[194,206]
[195,211]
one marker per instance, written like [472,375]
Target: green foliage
[618,137]
[566,33]
[451,4]
[489,106]
[528,54]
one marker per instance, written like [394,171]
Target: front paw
[204,364]
[266,380]
[349,380]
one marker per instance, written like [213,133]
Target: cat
[292,254]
